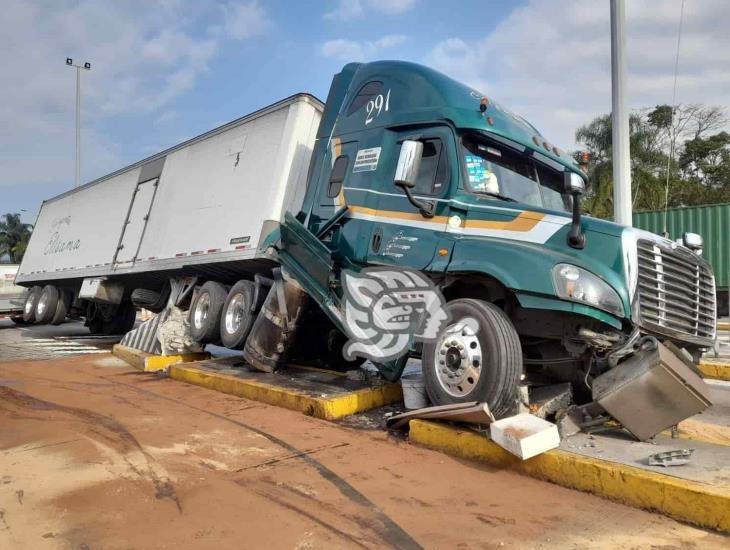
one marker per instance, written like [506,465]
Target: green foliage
[672,149]
[14,237]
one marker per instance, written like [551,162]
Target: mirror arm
[424,207]
[576,238]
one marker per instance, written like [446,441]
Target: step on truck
[249,229]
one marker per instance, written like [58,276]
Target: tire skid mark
[385,527]
[106,428]
[284,503]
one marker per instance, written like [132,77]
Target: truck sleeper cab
[492,218]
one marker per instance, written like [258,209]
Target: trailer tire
[46,305]
[150,300]
[205,312]
[62,307]
[236,317]
[468,363]
[31,299]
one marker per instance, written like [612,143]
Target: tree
[14,237]
[674,159]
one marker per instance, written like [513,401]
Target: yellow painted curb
[716,371]
[149,362]
[328,408]
[684,500]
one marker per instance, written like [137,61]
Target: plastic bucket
[414,391]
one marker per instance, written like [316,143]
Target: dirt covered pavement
[96,455]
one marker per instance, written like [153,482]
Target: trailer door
[134,227]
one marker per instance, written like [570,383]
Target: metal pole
[620,118]
[78,126]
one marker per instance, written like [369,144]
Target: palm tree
[14,237]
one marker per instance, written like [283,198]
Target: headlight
[578,285]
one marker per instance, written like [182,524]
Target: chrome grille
[676,292]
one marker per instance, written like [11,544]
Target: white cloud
[551,61]
[353,50]
[244,20]
[142,55]
[347,10]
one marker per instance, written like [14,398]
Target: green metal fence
[712,222]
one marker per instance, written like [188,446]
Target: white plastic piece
[525,435]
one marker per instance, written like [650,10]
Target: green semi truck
[251,230]
[493,219]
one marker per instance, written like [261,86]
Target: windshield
[501,172]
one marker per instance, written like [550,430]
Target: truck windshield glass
[498,171]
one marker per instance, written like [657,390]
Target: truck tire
[31,299]
[62,307]
[45,307]
[478,357]
[205,312]
[122,321]
[150,299]
[236,316]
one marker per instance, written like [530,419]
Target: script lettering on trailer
[56,244]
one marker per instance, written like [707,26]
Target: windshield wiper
[496,195]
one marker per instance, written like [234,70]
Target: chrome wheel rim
[202,308]
[42,304]
[234,314]
[458,358]
[29,305]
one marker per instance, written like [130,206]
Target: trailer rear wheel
[205,312]
[45,308]
[477,357]
[236,316]
[62,307]
[31,299]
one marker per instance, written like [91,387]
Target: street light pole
[622,204]
[86,66]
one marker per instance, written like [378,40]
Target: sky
[164,71]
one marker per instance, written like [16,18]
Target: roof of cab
[420,94]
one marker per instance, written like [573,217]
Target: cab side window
[433,174]
[337,176]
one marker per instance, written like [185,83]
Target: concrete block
[525,435]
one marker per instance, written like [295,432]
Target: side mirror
[409,162]
[406,174]
[574,184]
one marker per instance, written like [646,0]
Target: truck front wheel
[477,357]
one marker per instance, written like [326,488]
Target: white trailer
[196,209]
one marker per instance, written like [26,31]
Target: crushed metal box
[651,391]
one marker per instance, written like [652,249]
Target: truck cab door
[401,235]
[351,171]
